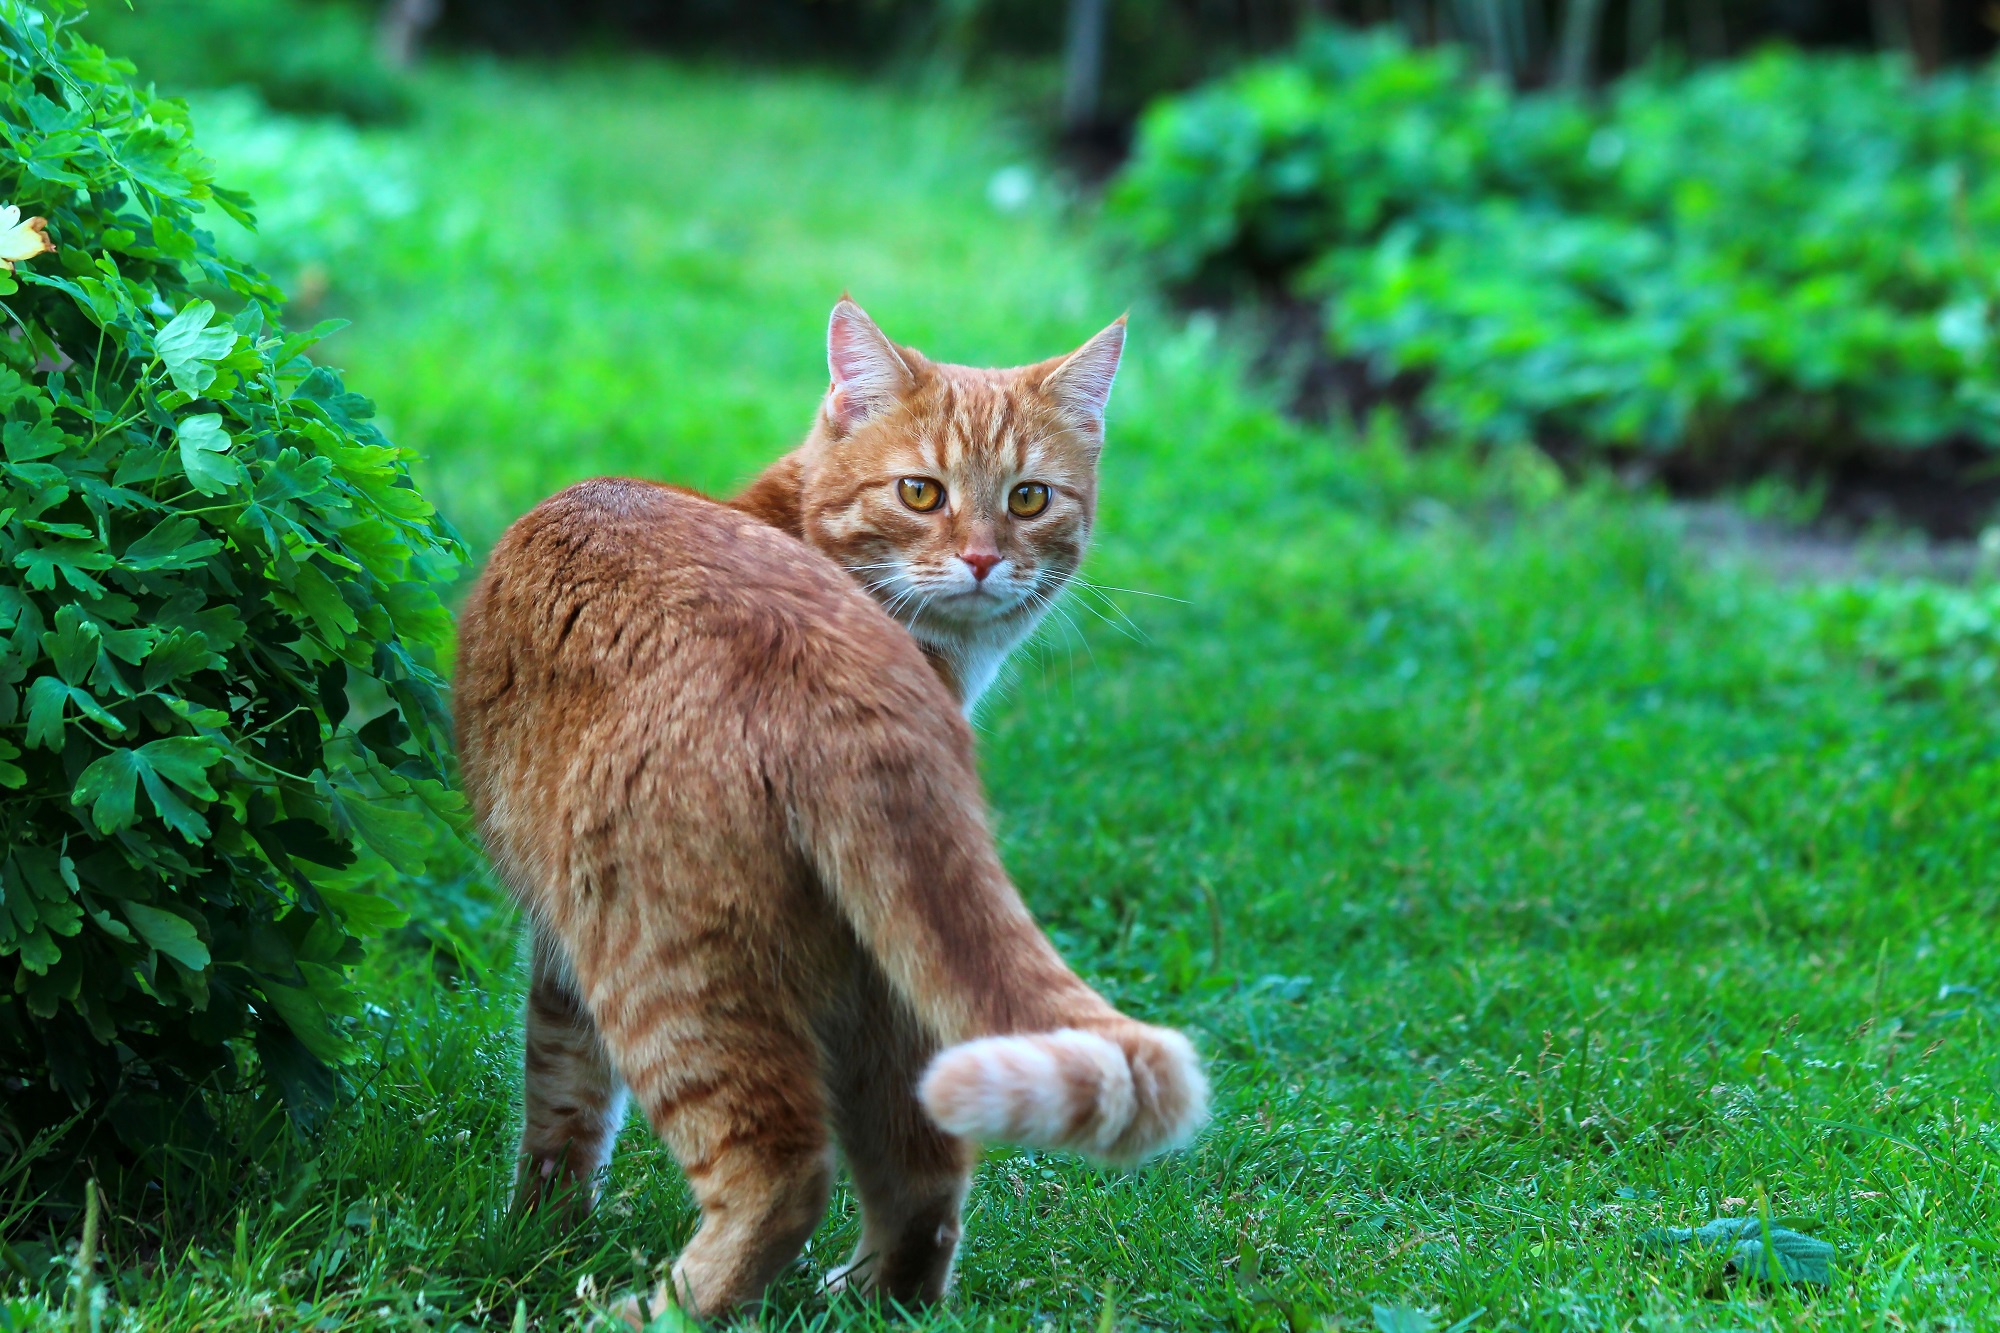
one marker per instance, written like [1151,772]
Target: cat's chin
[971,610]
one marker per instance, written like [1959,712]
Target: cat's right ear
[869,374]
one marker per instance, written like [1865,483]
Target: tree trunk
[1890,24]
[1083,64]
[400,31]
[1708,28]
[1414,18]
[1579,42]
[1644,22]
[1493,35]
[1927,35]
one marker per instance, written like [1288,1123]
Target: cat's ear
[869,374]
[1081,385]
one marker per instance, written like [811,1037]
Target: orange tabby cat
[740,805]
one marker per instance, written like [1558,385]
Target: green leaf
[323,602]
[112,926]
[292,475]
[307,1018]
[183,761]
[26,441]
[107,787]
[1799,1258]
[296,343]
[67,560]
[46,698]
[236,204]
[11,774]
[175,813]
[399,836]
[365,915]
[172,935]
[186,346]
[205,454]
[174,542]
[1402,1319]
[48,701]
[180,653]
[72,645]
[38,904]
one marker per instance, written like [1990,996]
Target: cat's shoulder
[634,530]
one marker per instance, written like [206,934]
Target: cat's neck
[774,497]
[967,667]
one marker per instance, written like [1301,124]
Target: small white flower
[21,239]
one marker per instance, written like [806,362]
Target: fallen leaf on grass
[1799,1258]
[1402,1319]
[21,238]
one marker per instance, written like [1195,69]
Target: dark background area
[1151,46]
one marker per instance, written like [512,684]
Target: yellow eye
[1028,499]
[920,493]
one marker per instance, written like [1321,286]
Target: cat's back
[610,582]
[636,660]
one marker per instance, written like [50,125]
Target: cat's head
[961,497]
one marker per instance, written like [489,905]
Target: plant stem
[86,1260]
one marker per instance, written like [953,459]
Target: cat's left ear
[1081,385]
[869,374]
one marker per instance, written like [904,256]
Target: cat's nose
[982,562]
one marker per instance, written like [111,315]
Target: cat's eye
[920,493]
[1028,499]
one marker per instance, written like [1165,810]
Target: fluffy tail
[886,805]
[1120,1097]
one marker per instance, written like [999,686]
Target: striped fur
[740,805]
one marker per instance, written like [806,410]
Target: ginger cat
[739,804]
[961,498]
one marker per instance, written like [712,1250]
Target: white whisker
[1136,592]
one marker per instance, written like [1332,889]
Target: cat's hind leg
[573,1102]
[727,1069]
[909,1175]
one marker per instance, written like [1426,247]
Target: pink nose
[982,562]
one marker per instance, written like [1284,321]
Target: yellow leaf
[21,238]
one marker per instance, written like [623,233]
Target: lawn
[1530,879]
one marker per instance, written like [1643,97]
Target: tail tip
[1071,1090]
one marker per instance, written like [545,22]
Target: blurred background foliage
[1458,749]
[1086,66]
[1782,262]
[1144,47]
[311,56]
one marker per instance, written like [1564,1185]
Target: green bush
[1923,637]
[221,715]
[299,55]
[1790,254]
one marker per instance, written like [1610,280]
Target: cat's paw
[546,1185]
[847,1277]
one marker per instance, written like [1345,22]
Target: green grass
[1529,880]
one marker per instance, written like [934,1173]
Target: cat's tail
[1119,1094]
[1030,1054]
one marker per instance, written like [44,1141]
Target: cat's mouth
[983,601]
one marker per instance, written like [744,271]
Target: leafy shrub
[1924,638]
[1789,252]
[221,715]
[299,55]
